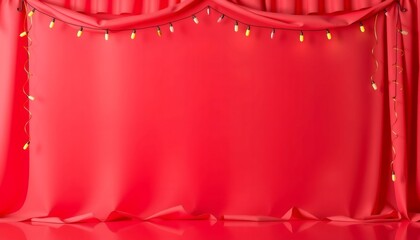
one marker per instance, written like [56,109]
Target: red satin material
[206,123]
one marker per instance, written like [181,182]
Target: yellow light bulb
[171,28]
[22,34]
[32,98]
[31,13]
[272,33]
[159,32]
[248,31]
[362,28]
[393,176]
[26,146]
[80,32]
[195,19]
[52,23]
[236,28]
[107,35]
[301,38]
[133,34]
[329,36]
[220,18]
[374,86]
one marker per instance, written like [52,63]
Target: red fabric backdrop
[204,122]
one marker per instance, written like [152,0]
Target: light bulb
[80,32]
[236,28]
[195,19]
[26,146]
[403,32]
[22,34]
[301,38]
[329,36]
[362,28]
[248,31]
[31,13]
[52,23]
[107,35]
[171,28]
[159,32]
[220,18]
[272,33]
[32,98]
[393,176]
[374,86]
[208,10]
[133,34]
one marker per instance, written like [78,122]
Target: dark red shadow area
[202,230]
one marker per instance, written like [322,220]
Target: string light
[80,32]
[403,32]
[32,98]
[393,176]
[301,37]
[31,13]
[195,19]
[26,146]
[133,34]
[171,28]
[248,31]
[374,86]
[329,35]
[272,33]
[107,35]
[208,10]
[220,18]
[362,28]
[158,31]
[236,28]
[22,34]
[52,23]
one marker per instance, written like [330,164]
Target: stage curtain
[206,123]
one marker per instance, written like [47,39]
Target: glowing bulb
[133,34]
[208,10]
[272,33]
[374,86]
[329,35]
[301,38]
[393,176]
[52,23]
[171,28]
[403,32]
[31,13]
[159,32]
[22,34]
[107,35]
[80,32]
[26,146]
[362,28]
[220,18]
[195,19]
[32,98]
[236,28]
[248,31]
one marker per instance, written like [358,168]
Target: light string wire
[27,26]
[375,33]
[398,70]
[169,23]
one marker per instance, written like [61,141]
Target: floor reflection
[203,230]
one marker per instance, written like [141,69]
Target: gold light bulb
[248,31]
[362,28]
[80,32]
[52,23]
[22,34]
[393,176]
[159,32]
[220,18]
[272,33]
[32,98]
[301,37]
[31,13]
[374,86]
[133,34]
[107,35]
[26,146]
[195,19]
[329,36]
[171,28]
[236,28]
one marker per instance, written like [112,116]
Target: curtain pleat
[298,7]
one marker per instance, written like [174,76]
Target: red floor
[202,230]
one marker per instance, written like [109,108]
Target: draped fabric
[206,123]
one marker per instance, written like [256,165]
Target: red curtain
[206,123]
